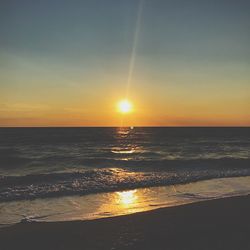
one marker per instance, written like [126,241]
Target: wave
[122,160]
[102,180]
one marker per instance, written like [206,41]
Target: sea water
[60,165]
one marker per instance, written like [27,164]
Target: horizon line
[178,126]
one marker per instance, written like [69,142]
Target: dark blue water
[51,162]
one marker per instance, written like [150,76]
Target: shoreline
[212,224]
[111,204]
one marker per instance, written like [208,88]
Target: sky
[68,63]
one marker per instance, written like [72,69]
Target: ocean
[42,164]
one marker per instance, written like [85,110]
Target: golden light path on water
[144,199]
[124,202]
[127,198]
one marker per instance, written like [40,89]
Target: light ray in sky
[135,42]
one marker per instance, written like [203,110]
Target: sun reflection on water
[117,150]
[123,132]
[125,143]
[122,202]
[127,198]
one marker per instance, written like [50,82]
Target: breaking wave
[101,180]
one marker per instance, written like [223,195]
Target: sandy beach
[214,224]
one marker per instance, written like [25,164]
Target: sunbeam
[134,48]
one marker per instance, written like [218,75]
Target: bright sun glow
[124,106]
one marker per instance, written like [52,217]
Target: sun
[125,106]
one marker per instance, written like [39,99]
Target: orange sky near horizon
[148,115]
[206,104]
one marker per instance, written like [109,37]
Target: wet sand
[216,224]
